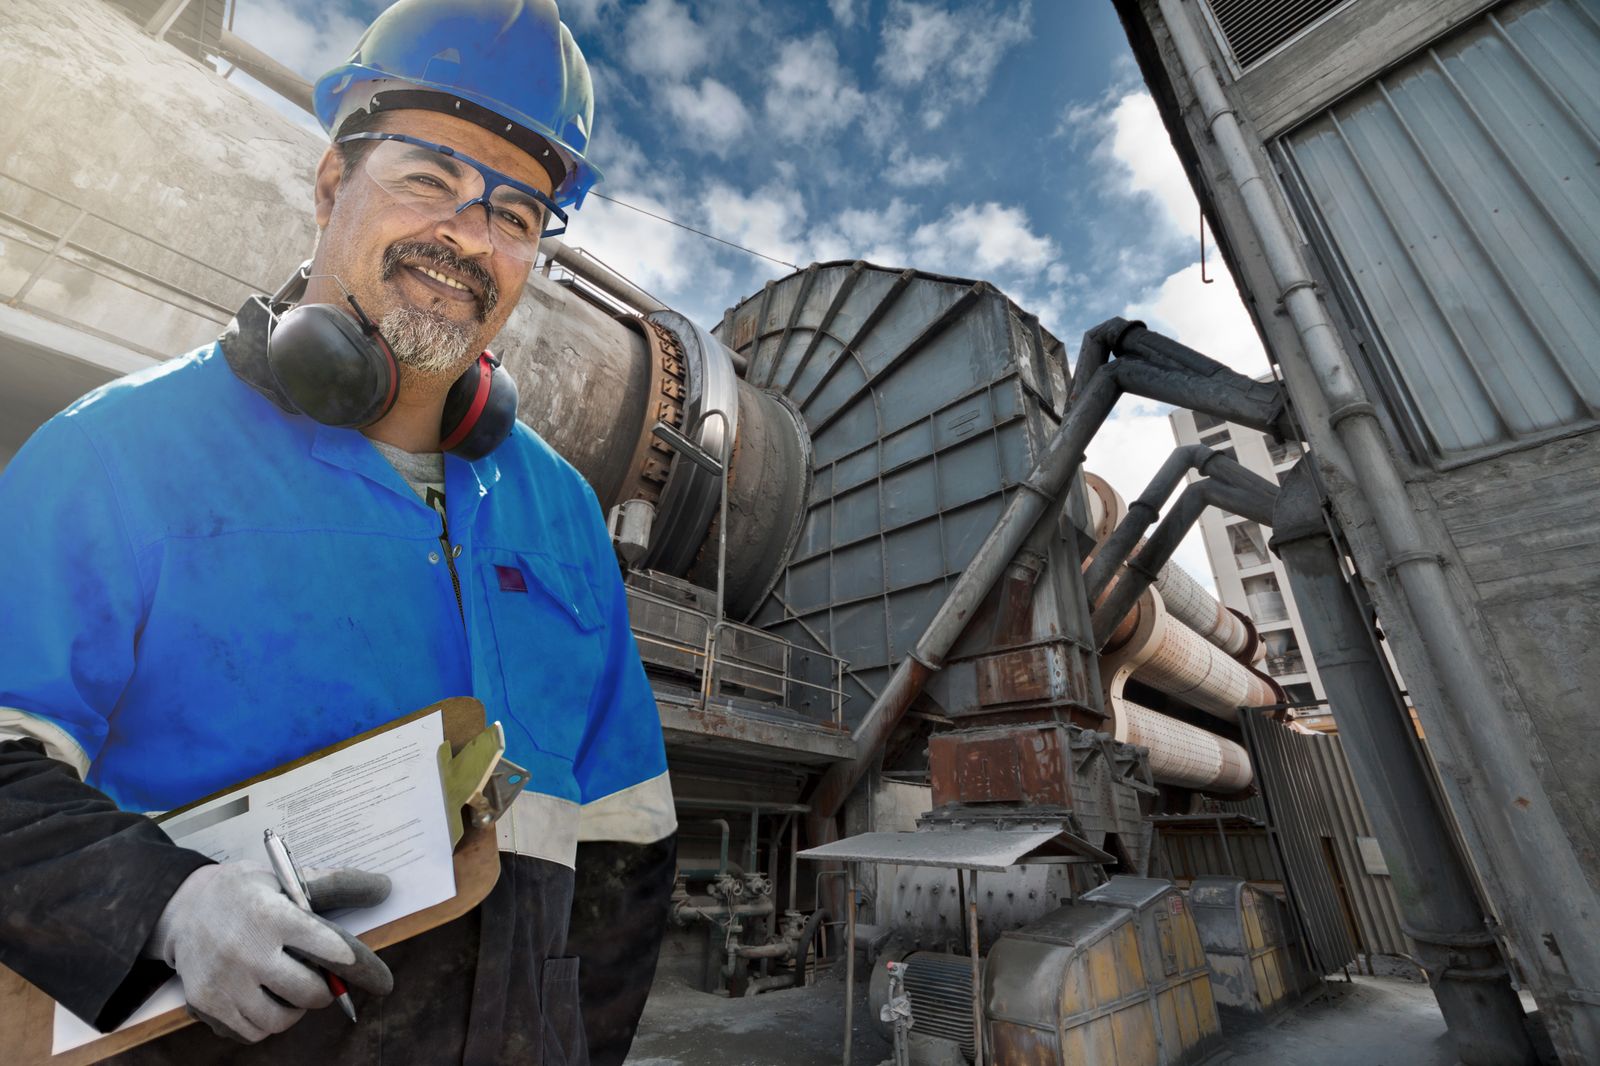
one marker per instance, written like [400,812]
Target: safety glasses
[437,182]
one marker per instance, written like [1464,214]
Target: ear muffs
[479,410]
[316,360]
[330,368]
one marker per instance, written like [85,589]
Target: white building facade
[1250,579]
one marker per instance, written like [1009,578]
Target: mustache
[442,258]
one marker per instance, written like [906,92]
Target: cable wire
[691,229]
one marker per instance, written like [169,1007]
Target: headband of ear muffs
[316,360]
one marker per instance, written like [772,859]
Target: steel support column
[1431,879]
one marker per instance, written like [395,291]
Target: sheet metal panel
[974,849]
[1460,198]
[1296,808]
[1371,896]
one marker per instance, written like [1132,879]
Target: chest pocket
[547,627]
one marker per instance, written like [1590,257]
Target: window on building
[1265,599]
[1249,545]
[1284,658]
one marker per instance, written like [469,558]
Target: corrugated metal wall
[1460,195]
[1316,814]
[1371,895]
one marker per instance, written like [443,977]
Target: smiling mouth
[436,268]
[445,278]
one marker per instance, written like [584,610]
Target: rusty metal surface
[745,733]
[1024,764]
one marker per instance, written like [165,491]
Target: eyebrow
[522,199]
[416,151]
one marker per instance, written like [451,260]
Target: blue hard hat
[509,65]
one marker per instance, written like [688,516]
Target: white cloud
[908,171]
[309,42]
[712,115]
[770,220]
[1208,318]
[953,54]
[844,12]
[983,240]
[1138,144]
[810,94]
[586,14]
[663,40]
[876,235]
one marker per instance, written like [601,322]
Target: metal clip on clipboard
[480,780]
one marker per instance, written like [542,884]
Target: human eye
[514,220]
[426,183]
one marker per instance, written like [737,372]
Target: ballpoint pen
[294,886]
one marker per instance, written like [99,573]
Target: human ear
[330,171]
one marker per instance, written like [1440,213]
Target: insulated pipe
[1171,375]
[1200,611]
[1508,800]
[1189,668]
[1430,878]
[1180,753]
[1143,512]
[1145,566]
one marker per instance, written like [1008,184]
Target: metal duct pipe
[1143,512]
[1170,374]
[1433,883]
[1182,595]
[1145,566]
[599,275]
[265,69]
[1553,909]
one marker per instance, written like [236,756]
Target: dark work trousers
[492,988]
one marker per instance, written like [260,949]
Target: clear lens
[437,186]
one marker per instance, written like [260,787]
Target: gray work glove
[237,942]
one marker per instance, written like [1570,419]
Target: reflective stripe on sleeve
[541,827]
[58,743]
[638,814]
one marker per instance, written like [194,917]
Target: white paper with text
[375,805]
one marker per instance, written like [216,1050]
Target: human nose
[466,230]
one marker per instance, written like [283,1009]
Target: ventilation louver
[1255,27]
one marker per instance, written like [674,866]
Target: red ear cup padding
[479,411]
[329,369]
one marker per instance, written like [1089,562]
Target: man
[203,581]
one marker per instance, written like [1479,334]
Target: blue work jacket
[199,587]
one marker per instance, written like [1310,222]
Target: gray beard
[425,341]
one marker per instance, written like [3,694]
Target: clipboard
[27,1014]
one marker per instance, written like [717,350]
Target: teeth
[436,276]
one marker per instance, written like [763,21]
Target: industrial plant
[950,734]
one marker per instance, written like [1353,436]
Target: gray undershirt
[423,471]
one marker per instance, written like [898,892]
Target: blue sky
[1007,141]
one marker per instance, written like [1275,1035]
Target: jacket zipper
[450,561]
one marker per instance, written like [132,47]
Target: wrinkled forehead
[470,139]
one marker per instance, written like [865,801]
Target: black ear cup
[479,411]
[329,368]
[315,360]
